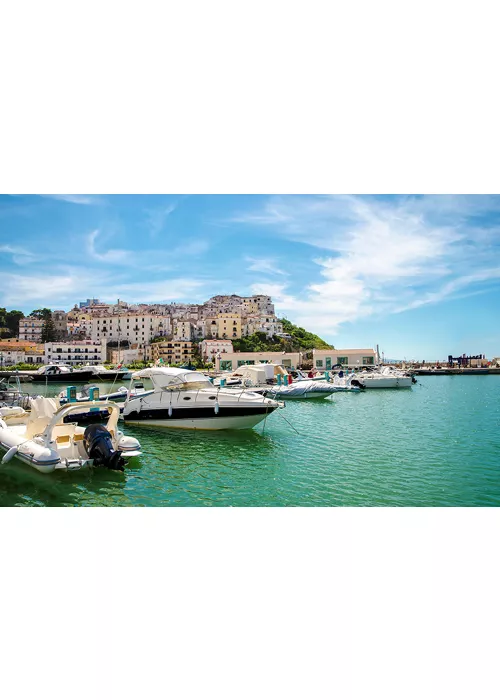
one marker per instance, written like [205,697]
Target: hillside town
[94,332]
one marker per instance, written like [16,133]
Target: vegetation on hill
[300,340]
[305,339]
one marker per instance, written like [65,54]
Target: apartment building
[76,352]
[30,329]
[183,330]
[135,328]
[135,353]
[228,325]
[209,349]
[172,351]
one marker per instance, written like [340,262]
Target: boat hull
[63,378]
[387,383]
[204,419]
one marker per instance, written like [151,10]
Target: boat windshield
[189,381]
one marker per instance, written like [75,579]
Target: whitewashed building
[76,352]
[135,328]
[209,349]
[30,329]
[326,359]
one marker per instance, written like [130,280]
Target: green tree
[12,319]
[49,333]
[42,313]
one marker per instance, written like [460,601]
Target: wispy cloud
[116,255]
[74,198]
[157,217]
[266,265]
[381,255]
[20,256]
[66,285]
[195,247]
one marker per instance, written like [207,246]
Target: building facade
[209,349]
[76,352]
[326,359]
[135,328]
[172,352]
[30,329]
[231,361]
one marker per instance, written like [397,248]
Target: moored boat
[42,439]
[61,374]
[188,400]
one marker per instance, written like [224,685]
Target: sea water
[436,444]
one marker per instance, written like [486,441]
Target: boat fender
[170,411]
[9,454]
[216,408]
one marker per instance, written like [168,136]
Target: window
[319,363]
[226,365]
[368,360]
[342,360]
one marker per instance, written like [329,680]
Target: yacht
[387,378]
[43,439]
[188,400]
[61,374]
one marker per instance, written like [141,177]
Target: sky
[417,274]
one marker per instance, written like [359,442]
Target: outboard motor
[357,383]
[99,446]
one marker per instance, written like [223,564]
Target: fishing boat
[188,400]
[61,374]
[42,439]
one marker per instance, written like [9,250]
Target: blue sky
[420,275]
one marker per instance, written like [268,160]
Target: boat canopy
[173,378]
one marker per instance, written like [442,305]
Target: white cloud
[156,218]
[73,198]
[265,265]
[110,256]
[20,256]
[389,255]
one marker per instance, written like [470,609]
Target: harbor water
[437,444]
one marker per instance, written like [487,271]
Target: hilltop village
[225,332]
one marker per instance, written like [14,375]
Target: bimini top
[173,378]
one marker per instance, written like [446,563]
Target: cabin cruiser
[42,439]
[274,380]
[188,400]
[61,374]
[387,378]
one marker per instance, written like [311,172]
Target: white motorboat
[338,381]
[273,380]
[188,400]
[43,440]
[388,378]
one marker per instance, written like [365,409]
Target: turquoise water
[437,444]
